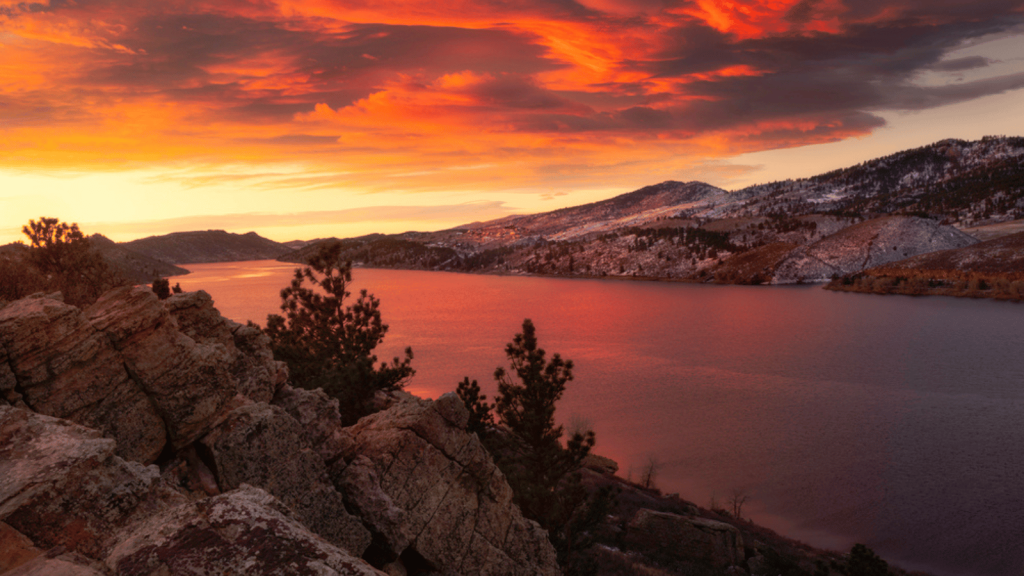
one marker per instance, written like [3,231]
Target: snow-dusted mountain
[809,229]
[962,182]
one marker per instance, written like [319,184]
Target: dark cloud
[517,93]
[802,11]
[301,140]
[840,79]
[244,62]
[961,64]
[180,55]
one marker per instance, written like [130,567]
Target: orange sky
[307,118]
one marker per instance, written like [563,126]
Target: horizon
[306,120]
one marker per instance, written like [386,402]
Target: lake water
[893,421]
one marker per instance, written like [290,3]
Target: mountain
[632,209]
[380,251]
[208,246]
[994,268]
[297,244]
[965,183]
[867,244]
[136,267]
[837,223]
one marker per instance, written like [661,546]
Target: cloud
[392,93]
[243,222]
[552,195]
[961,64]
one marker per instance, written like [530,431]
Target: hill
[867,244]
[993,269]
[208,246]
[964,183]
[810,229]
[380,251]
[136,267]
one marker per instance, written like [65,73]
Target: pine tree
[480,418]
[544,475]
[329,345]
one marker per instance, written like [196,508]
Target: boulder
[320,419]
[361,486]
[62,485]
[600,464]
[188,382]
[15,548]
[686,538]
[245,531]
[458,507]
[757,565]
[251,362]
[262,445]
[64,367]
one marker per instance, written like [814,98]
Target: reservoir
[892,421]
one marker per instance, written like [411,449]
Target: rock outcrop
[62,366]
[124,367]
[62,485]
[148,437]
[992,260]
[320,419]
[15,548]
[865,245]
[246,531]
[262,445]
[62,488]
[247,349]
[58,563]
[188,382]
[458,509]
[715,543]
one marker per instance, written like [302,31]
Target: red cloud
[416,87]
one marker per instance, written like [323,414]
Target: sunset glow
[306,118]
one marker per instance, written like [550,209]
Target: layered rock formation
[148,437]
[124,367]
[419,478]
[865,245]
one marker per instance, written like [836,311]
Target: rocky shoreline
[140,436]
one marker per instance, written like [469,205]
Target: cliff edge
[148,437]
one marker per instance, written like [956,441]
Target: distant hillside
[994,269]
[836,223]
[297,244]
[380,251]
[635,208]
[208,246]
[867,244]
[964,183]
[136,267]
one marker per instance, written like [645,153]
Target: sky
[302,119]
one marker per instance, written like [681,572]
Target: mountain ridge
[690,231]
[202,246]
